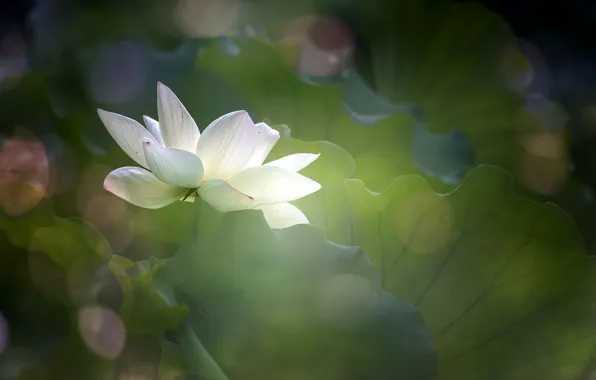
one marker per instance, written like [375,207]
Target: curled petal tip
[239,112]
[161,86]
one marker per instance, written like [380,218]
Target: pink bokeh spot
[4,333]
[102,331]
[24,174]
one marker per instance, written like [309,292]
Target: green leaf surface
[499,279]
[291,305]
[198,362]
[146,308]
[444,56]
[452,61]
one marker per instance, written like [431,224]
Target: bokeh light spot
[104,210]
[102,331]
[24,174]
[4,333]
[541,174]
[207,18]
[326,45]
[547,145]
[110,214]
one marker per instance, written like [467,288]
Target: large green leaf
[450,59]
[444,56]
[453,61]
[498,278]
[291,305]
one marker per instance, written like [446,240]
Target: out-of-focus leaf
[364,105]
[494,274]
[198,362]
[289,304]
[445,58]
[449,66]
[60,25]
[146,308]
[578,199]
[445,156]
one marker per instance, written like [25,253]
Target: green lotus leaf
[500,279]
[289,304]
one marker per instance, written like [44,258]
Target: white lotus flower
[224,165]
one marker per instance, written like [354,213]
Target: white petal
[267,137]
[294,162]
[173,166]
[223,197]
[139,187]
[178,129]
[227,144]
[270,185]
[153,127]
[283,215]
[127,133]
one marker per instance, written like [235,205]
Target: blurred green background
[452,239]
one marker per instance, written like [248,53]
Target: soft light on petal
[153,127]
[223,197]
[294,162]
[270,184]
[173,166]
[141,188]
[227,144]
[178,128]
[283,215]
[267,137]
[127,133]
